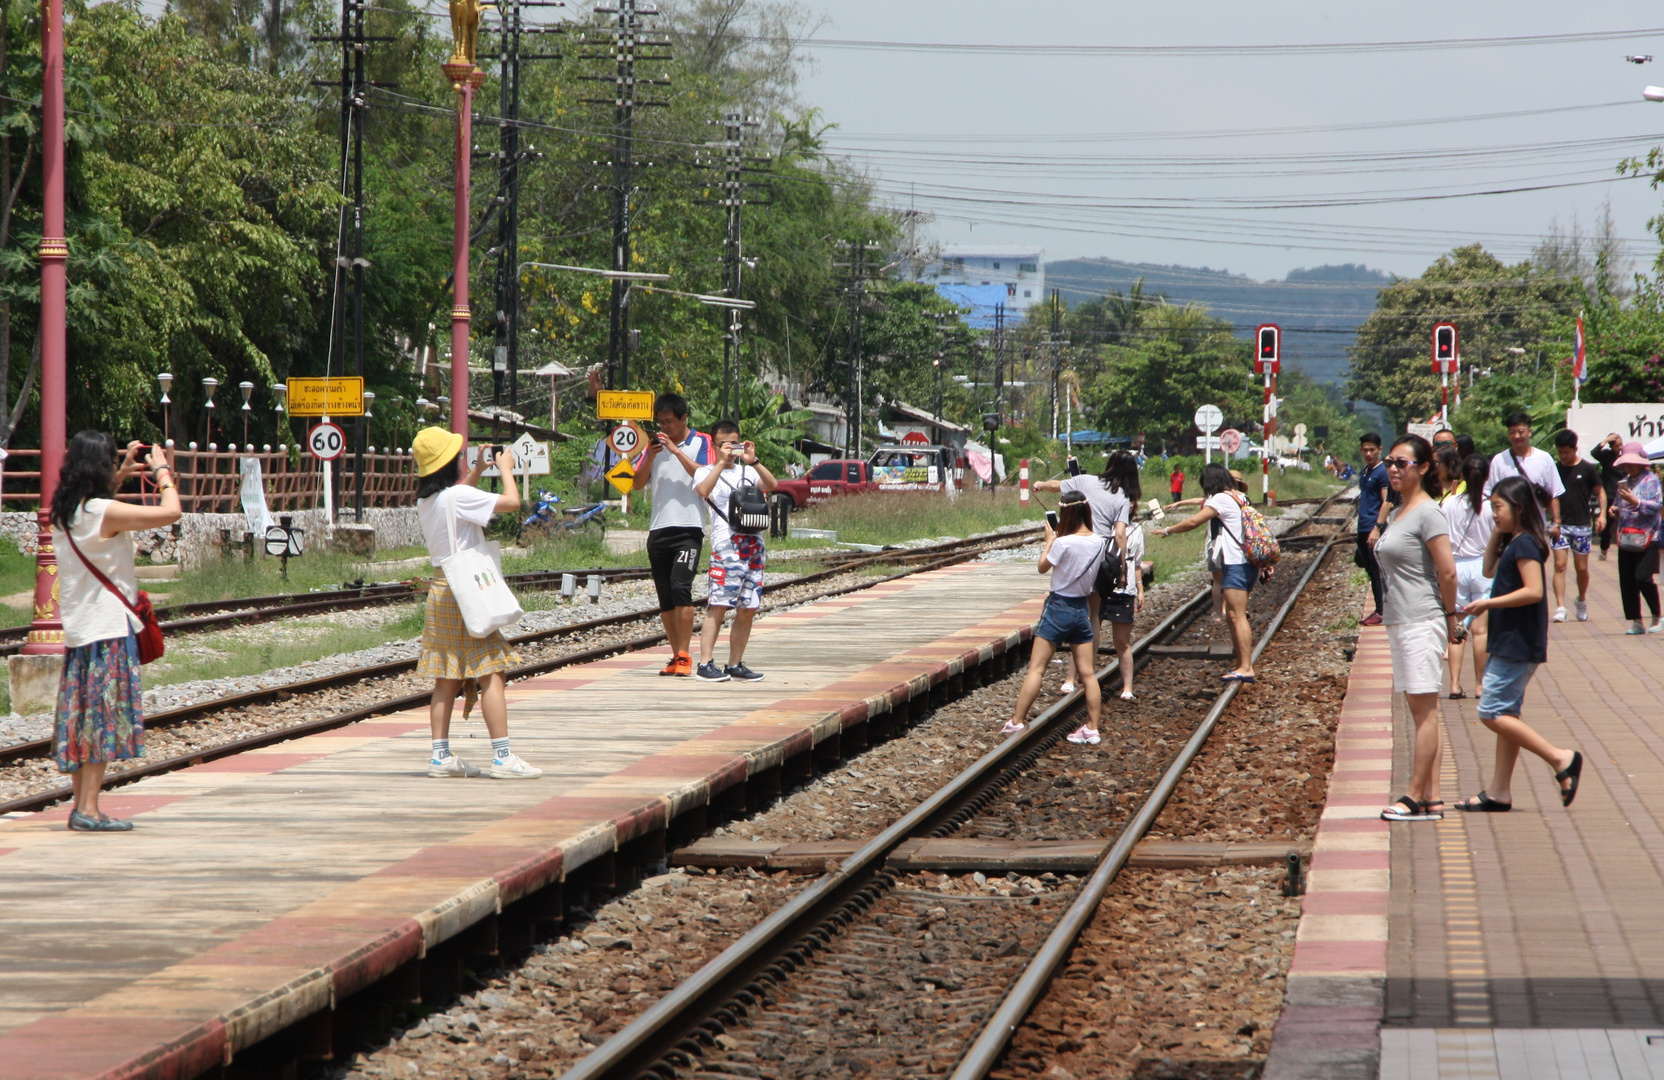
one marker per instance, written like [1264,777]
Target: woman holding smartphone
[1637,512]
[1071,555]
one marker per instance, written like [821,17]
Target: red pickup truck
[893,469]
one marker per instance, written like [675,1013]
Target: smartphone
[1051,519]
[1156,512]
[1074,465]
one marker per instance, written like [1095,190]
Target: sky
[1143,157]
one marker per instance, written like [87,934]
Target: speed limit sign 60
[326,441]
[625,440]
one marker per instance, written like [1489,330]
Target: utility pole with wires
[511,53]
[737,159]
[628,42]
[856,292]
[355,86]
[1055,341]
[999,362]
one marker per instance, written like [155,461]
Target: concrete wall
[199,534]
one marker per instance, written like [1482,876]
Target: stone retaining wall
[199,534]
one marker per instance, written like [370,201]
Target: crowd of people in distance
[1458,549]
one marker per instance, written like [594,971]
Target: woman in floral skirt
[97,719]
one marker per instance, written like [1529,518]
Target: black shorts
[1117,607]
[674,556]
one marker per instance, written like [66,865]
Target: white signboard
[326,441]
[1426,431]
[1633,422]
[1208,442]
[1208,418]
[531,458]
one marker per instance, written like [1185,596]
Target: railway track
[934,557]
[859,949]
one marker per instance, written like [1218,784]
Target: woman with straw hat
[1637,512]
[457,661]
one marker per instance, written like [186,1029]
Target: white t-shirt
[1469,532]
[1108,506]
[1230,532]
[722,537]
[1134,558]
[474,510]
[1075,560]
[1539,469]
[675,504]
[90,612]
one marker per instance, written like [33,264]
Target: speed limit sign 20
[326,441]
[625,440]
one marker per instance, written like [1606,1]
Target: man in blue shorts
[736,557]
[1585,497]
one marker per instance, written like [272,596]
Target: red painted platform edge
[36,1051]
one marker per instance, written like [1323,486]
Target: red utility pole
[46,632]
[465,78]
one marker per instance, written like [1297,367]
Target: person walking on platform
[1072,556]
[1606,456]
[97,718]
[1222,513]
[1468,515]
[676,530]
[1523,459]
[1112,496]
[1637,511]
[450,503]
[1518,617]
[737,556]
[1420,581]
[1372,495]
[1583,504]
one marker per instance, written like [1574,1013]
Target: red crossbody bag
[150,631]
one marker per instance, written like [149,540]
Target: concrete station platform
[269,888]
[1521,945]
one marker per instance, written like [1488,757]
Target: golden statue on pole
[465,30]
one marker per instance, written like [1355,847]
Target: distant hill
[1319,308]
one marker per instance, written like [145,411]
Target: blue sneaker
[709,672]
[741,673]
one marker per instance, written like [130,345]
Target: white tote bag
[476,580]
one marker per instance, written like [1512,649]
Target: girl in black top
[1518,607]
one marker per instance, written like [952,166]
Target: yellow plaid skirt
[449,651]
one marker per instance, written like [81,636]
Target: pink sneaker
[1085,737]
[1011,729]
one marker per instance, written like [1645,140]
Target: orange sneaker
[670,668]
[680,664]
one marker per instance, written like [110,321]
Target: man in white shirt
[737,558]
[676,530]
[1523,459]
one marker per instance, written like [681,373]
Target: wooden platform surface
[262,888]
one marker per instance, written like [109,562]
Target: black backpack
[1112,572]
[747,508]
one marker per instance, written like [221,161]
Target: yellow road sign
[622,477]
[342,395]
[624,405]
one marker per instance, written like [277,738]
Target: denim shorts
[1065,621]
[1240,575]
[1503,691]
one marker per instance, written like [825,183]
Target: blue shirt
[1369,502]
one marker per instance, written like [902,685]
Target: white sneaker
[1582,610]
[1085,737]
[1559,615]
[513,769]
[1635,627]
[1128,695]
[1067,688]
[1011,729]
[452,766]
[1657,627]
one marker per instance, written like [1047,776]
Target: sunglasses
[1400,462]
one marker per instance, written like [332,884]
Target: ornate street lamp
[248,392]
[166,379]
[209,385]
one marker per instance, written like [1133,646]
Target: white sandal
[1011,729]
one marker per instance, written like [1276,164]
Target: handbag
[476,580]
[1632,539]
[149,634]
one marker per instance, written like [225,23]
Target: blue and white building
[974,275]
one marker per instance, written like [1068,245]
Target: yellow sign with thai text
[342,395]
[624,405]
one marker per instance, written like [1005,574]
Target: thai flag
[1578,357]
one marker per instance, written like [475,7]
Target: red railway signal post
[1268,361]
[1447,360]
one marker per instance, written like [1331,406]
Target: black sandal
[1485,805]
[1572,772]
[1412,811]
[1458,695]
[1432,814]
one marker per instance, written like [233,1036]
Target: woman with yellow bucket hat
[453,658]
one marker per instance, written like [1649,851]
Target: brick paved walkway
[1527,944]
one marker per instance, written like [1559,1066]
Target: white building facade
[1017,267]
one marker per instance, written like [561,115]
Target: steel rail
[1020,1000]
[637,1046]
[40,747]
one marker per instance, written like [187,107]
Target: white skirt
[1418,655]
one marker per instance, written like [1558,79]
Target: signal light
[1268,345]
[1446,355]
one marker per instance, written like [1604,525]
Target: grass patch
[236,653]
[1342,625]
[1358,579]
[876,517]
